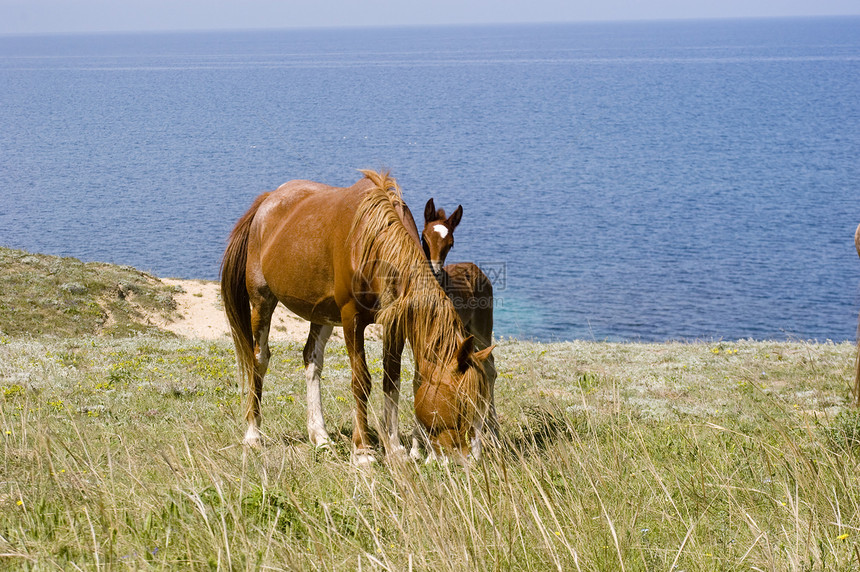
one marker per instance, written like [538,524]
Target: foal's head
[437,238]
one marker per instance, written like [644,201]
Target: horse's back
[309,199]
[298,248]
[472,294]
[467,279]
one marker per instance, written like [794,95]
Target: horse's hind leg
[262,307]
[313,355]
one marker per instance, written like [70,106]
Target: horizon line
[349,27]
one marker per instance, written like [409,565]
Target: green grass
[123,453]
[48,295]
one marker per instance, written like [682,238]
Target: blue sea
[621,181]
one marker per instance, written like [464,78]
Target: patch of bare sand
[201,315]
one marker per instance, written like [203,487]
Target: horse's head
[437,238]
[453,402]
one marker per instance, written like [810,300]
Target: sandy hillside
[202,315]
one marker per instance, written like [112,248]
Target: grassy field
[122,452]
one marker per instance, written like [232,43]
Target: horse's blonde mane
[414,304]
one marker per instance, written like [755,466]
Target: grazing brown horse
[857,359]
[470,291]
[346,256]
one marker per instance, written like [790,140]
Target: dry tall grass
[124,453]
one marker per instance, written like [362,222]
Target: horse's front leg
[353,334]
[314,354]
[392,350]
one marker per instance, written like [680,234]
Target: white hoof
[319,438]
[415,452]
[321,442]
[397,453]
[253,438]
[363,459]
[324,446]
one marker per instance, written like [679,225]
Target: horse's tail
[234,293]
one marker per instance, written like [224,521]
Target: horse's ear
[454,220]
[429,211]
[464,353]
[484,353]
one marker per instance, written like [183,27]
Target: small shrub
[844,431]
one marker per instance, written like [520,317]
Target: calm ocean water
[648,181]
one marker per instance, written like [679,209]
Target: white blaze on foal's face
[442,231]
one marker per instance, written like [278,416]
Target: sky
[84,16]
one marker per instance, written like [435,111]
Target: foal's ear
[429,211]
[455,217]
[484,353]
[464,353]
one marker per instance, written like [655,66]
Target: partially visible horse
[857,239]
[470,291]
[346,256]
[857,358]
